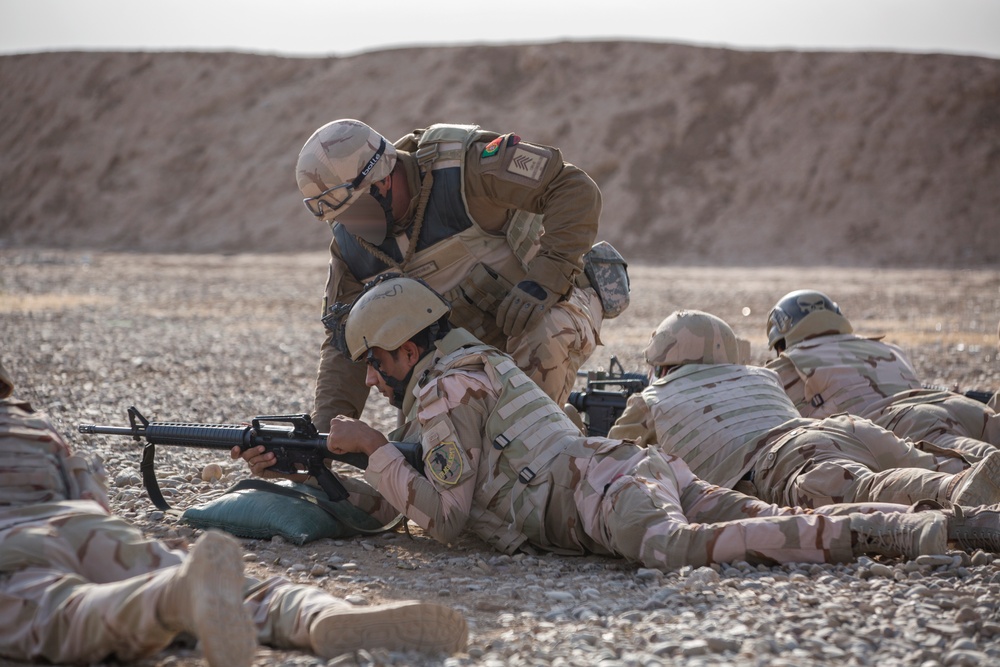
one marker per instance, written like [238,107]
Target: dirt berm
[704,155]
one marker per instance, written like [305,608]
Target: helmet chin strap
[398,388]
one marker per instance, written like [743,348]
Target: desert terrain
[705,156]
[212,338]
[154,252]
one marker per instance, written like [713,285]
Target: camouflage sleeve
[635,423]
[451,419]
[790,380]
[530,177]
[340,382]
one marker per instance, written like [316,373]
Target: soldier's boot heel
[398,626]
[205,599]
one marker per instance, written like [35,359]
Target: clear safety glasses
[334,198]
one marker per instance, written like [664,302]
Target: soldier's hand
[349,435]
[257,459]
[524,307]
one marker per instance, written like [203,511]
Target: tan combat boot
[978,485]
[971,528]
[398,626]
[899,534]
[205,598]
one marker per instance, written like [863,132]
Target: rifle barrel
[211,436]
[94,429]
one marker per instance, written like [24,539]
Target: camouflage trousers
[552,352]
[662,516]
[944,418]
[81,585]
[846,459]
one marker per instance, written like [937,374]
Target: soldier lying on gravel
[80,585]
[502,459]
[735,426]
[827,369]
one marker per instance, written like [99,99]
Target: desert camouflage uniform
[78,584]
[479,236]
[866,377]
[732,424]
[503,460]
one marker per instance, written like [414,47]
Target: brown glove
[524,307]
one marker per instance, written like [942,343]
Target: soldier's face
[382,364]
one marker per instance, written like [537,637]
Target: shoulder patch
[445,463]
[527,163]
[492,147]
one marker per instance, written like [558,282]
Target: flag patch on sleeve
[492,147]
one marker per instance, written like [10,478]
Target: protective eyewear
[333,199]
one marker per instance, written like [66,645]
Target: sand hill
[704,155]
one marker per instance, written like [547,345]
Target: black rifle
[297,446]
[981,396]
[607,392]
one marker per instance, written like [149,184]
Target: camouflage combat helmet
[6,384]
[391,312]
[339,163]
[692,337]
[802,314]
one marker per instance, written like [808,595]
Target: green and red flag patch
[492,147]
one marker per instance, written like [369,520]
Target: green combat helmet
[338,165]
[391,312]
[692,337]
[802,314]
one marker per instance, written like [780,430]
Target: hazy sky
[342,27]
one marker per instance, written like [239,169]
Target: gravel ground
[215,338]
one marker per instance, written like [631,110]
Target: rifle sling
[148,470]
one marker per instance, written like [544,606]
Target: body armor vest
[714,416]
[846,373]
[524,434]
[471,268]
[36,465]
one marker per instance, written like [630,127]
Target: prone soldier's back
[36,464]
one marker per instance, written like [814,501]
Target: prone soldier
[503,460]
[734,426]
[826,368]
[78,584]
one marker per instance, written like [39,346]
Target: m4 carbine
[297,446]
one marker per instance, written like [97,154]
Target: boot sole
[225,632]
[399,626]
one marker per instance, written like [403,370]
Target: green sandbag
[259,514]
